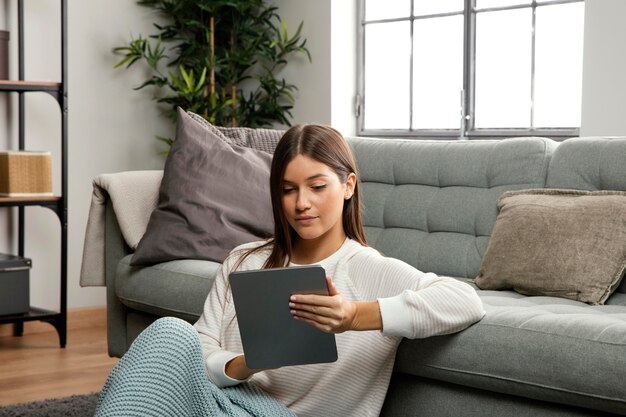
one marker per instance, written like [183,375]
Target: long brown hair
[323,144]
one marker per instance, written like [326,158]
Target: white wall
[313,96]
[343,82]
[604,69]
[327,86]
[112,127]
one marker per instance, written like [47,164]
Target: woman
[373,300]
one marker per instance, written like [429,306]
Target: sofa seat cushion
[175,288]
[546,348]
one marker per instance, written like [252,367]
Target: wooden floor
[34,367]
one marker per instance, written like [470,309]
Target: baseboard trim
[77,318]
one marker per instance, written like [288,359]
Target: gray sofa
[433,205]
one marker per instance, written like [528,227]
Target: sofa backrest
[590,163]
[432,204]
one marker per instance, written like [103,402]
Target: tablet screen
[271,337]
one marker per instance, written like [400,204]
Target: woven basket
[25,174]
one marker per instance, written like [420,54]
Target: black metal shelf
[54,203]
[35,313]
[57,203]
[30,201]
[23,86]
[56,90]
[56,318]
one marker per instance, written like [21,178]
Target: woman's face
[312,199]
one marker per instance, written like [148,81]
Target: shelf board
[35,313]
[20,85]
[30,201]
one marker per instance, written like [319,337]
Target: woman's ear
[350,184]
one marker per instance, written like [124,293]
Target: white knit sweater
[413,304]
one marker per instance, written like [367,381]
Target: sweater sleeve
[415,304]
[209,326]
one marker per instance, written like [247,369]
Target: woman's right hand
[237,369]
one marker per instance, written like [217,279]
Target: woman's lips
[305,220]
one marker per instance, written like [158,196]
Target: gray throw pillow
[562,243]
[213,196]
[262,139]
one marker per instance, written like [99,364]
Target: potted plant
[220,59]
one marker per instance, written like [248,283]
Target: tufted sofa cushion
[439,198]
[545,348]
[590,164]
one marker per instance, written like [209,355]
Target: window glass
[385,9]
[437,72]
[558,65]
[426,7]
[503,69]
[520,62]
[387,75]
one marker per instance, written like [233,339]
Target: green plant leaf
[188,77]
[298,31]
[251,45]
[200,84]
[284,24]
[166,140]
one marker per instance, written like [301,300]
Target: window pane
[425,7]
[503,69]
[485,4]
[558,65]
[437,72]
[387,63]
[384,9]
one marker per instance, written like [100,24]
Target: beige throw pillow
[562,243]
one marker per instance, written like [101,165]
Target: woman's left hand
[330,313]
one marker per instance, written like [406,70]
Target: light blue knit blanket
[163,374]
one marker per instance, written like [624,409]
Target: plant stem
[233,93]
[212,47]
[233,87]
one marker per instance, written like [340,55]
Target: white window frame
[466,129]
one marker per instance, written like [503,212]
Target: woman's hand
[334,314]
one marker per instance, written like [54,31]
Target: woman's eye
[287,190]
[319,187]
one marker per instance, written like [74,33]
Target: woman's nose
[302,203]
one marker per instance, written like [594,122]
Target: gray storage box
[14,284]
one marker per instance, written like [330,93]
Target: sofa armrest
[133,195]
[115,249]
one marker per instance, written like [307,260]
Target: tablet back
[271,337]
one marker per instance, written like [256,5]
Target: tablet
[270,335]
